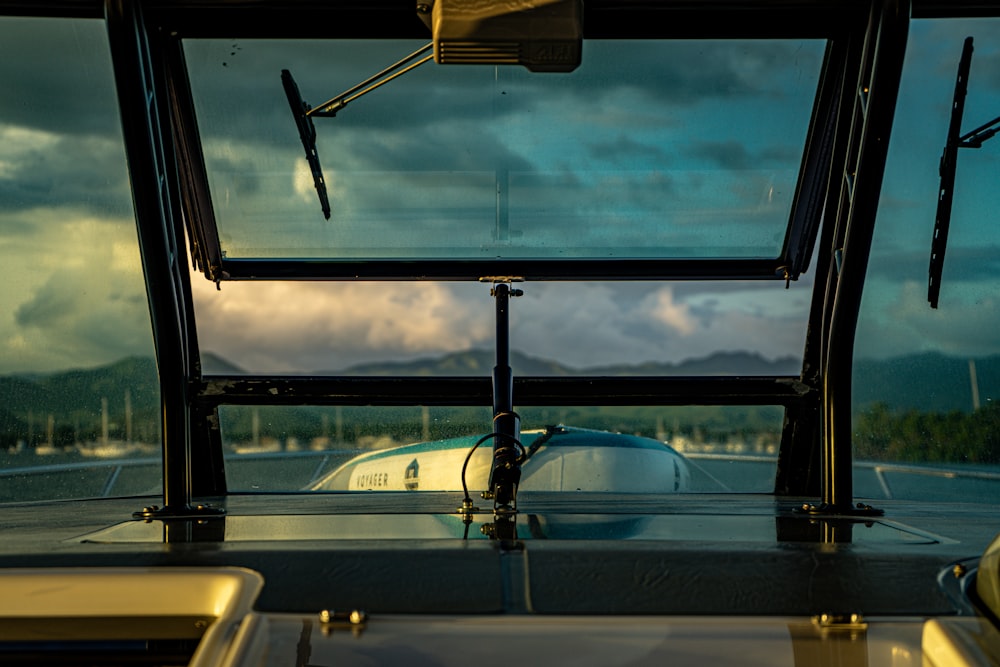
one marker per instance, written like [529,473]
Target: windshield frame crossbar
[815,21]
[530,270]
[215,390]
[808,400]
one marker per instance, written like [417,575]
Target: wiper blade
[307,133]
[303,112]
[949,162]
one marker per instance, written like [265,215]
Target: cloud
[459,146]
[675,316]
[624,150]
[688,72]
[75,316]
[303,327]
[65,163]
[732,154]
[964,266]
[898,321]
[246,75]
[74,293]
[41,168]
[57,76]
[251,79]
[428,145]
[585,324]
[941,43]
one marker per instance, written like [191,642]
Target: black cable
[468,457]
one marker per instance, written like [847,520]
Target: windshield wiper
[949,162]
[398,68]
[307,133]
[304,113]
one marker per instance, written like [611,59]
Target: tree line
[913,436]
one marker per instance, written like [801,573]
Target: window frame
[815,452]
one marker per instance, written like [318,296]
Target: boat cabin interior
[539,331]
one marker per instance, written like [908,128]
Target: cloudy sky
[665,156]
[896,317]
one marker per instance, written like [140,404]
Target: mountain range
[481,362]
[925,382]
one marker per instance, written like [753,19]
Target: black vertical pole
[872,102]
[138,68]
[506,471]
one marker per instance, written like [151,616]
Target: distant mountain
[81,390]
[719,363]
[928,382]
[213,364]
[469,362]
[924,382]
[481,362]
[73,399]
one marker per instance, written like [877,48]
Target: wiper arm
[976,138]
[303,113]
[307,133]
[949,162]
[398,68]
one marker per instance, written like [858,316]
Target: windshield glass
[80,400]
[725,449]
[651,149]
[682,149]
[556,329]
[926,379]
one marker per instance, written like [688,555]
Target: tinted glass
[726,449]
[650,149]
[926,380]
[80,402]
[436,328]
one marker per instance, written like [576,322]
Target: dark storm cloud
[79,171]
[984,73]
[650,192]
[229,82]
[730,154]
[942,50]
[687,72]
[241,174]
[59,120]
[241,95]
[961,264]
[734,155]
[75,319]
[57,76]
[439,148]
[624,151]
[49,306]
[57,303]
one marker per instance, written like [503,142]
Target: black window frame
[843,164]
